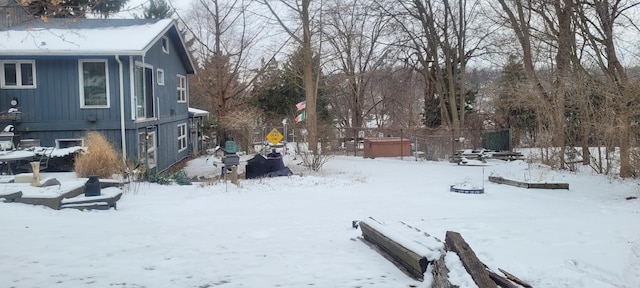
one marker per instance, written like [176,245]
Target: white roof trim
[198,112]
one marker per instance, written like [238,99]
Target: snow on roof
[195,112]
[59,36]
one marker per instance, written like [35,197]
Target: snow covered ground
[297,231]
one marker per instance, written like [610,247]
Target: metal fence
[429,144]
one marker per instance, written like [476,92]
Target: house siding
[170,112]
[11,13]
[53,109]
[55,104]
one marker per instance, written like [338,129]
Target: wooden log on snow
[454,242]
[515,279]
[501,281]
[440,274]
[413,264]
[549,186]
[501,180]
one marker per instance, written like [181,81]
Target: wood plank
[454,242]
[440,274]
[501,180]
[501,281]
[549,185]
[515,279]
[414,264]
[11,196]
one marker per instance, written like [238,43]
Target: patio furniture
[14,158]
[42,156]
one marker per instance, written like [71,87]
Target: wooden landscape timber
[501,180]
[515,279]
[105,201]
[440,274]
[410,262]
[415,265]
[453,241]
[501,281]
[478,271]
[10,196]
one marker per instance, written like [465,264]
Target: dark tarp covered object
[257,167]
[272,166]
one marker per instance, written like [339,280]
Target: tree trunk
[566,42]
[308,79]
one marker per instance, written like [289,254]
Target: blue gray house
[126,78]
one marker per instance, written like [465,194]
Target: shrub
[160,178]
[181,178]
[100,159]
[166,178]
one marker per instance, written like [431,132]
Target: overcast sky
[135,7]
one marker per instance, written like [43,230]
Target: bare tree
[302,12]
[223,44]
[440,48]
[557,32]
[355,53]
[597,20]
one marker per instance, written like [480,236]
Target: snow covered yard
[296,231]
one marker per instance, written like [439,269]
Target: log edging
[413,264]
[527,185]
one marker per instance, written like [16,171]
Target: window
[18,74]
[165,45]
[182,88]
[182,137]
[66,143]
[143,92]
[147,149]
[94,84]
[160,77]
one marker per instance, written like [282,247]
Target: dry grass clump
[100,159]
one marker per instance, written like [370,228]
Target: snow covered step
[11,195]
[107,198]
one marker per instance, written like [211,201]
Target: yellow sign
[274,136]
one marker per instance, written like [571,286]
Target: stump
[234,174]
[35,167]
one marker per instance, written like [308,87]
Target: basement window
[66,143]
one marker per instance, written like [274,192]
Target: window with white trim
[143,91]
[181,83]
[18,74]
[94,83]
[165,44]
[182,137]
[66,143]
[160,76]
